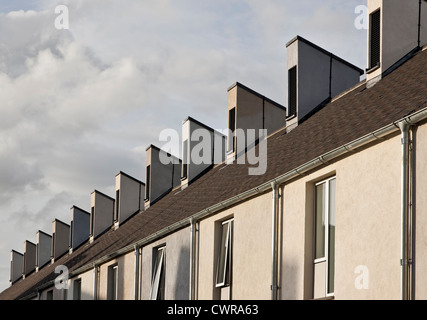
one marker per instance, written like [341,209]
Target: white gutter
[299,171]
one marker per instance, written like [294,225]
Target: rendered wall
[86,286]
[44,248]
[316,73]
[16,265]
[80,227]
[367,233]
[163,177]
[126,275]
[251,277]
[61,239]
[104,211]
[177,266]
[254,111]
[131,196]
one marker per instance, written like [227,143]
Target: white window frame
[327,207]
[223,281]
[157,271]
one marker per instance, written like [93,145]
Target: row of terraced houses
[340,211]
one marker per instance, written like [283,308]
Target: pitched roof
[347,118]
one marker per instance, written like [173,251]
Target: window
[184,171]
[324,251]
[77,289]
[116,213]
[375,39]
[224,260]
[92,220]
[158,279]
[71,234]
[147,184]
[232,129]
[52,255]
[112,282]
[37,255]
[292,91]
[49,295]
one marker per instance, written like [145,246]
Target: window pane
[292,91]
[114,283]
[184,171]
[157,291]
[77,290]
[232,128]
[147,183]
[375,45]
[331,242]
[320,221]
[116,213]
[223,255]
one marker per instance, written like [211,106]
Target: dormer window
[232,129]
[147,183]
[116,212]
[375,39]
[92,220]
[184,169]
[292,91]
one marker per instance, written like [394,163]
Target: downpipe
[136,272]
[192,259]
[274,282]
[405,180]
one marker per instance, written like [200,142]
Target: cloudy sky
[79,105]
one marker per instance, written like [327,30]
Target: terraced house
[339,212]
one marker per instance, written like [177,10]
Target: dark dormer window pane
[292,91]
[375,39]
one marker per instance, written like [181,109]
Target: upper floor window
[292,91]
[77,289]
[49,295]
[232,128]
[117,207]
[375,39]
[158,279]
[147,183]
[324,251]
[184,169]
[224,259]
[113,282]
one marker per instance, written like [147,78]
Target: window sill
[372,69]
[292,116]
[325,298]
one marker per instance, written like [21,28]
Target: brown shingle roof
[355,114]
